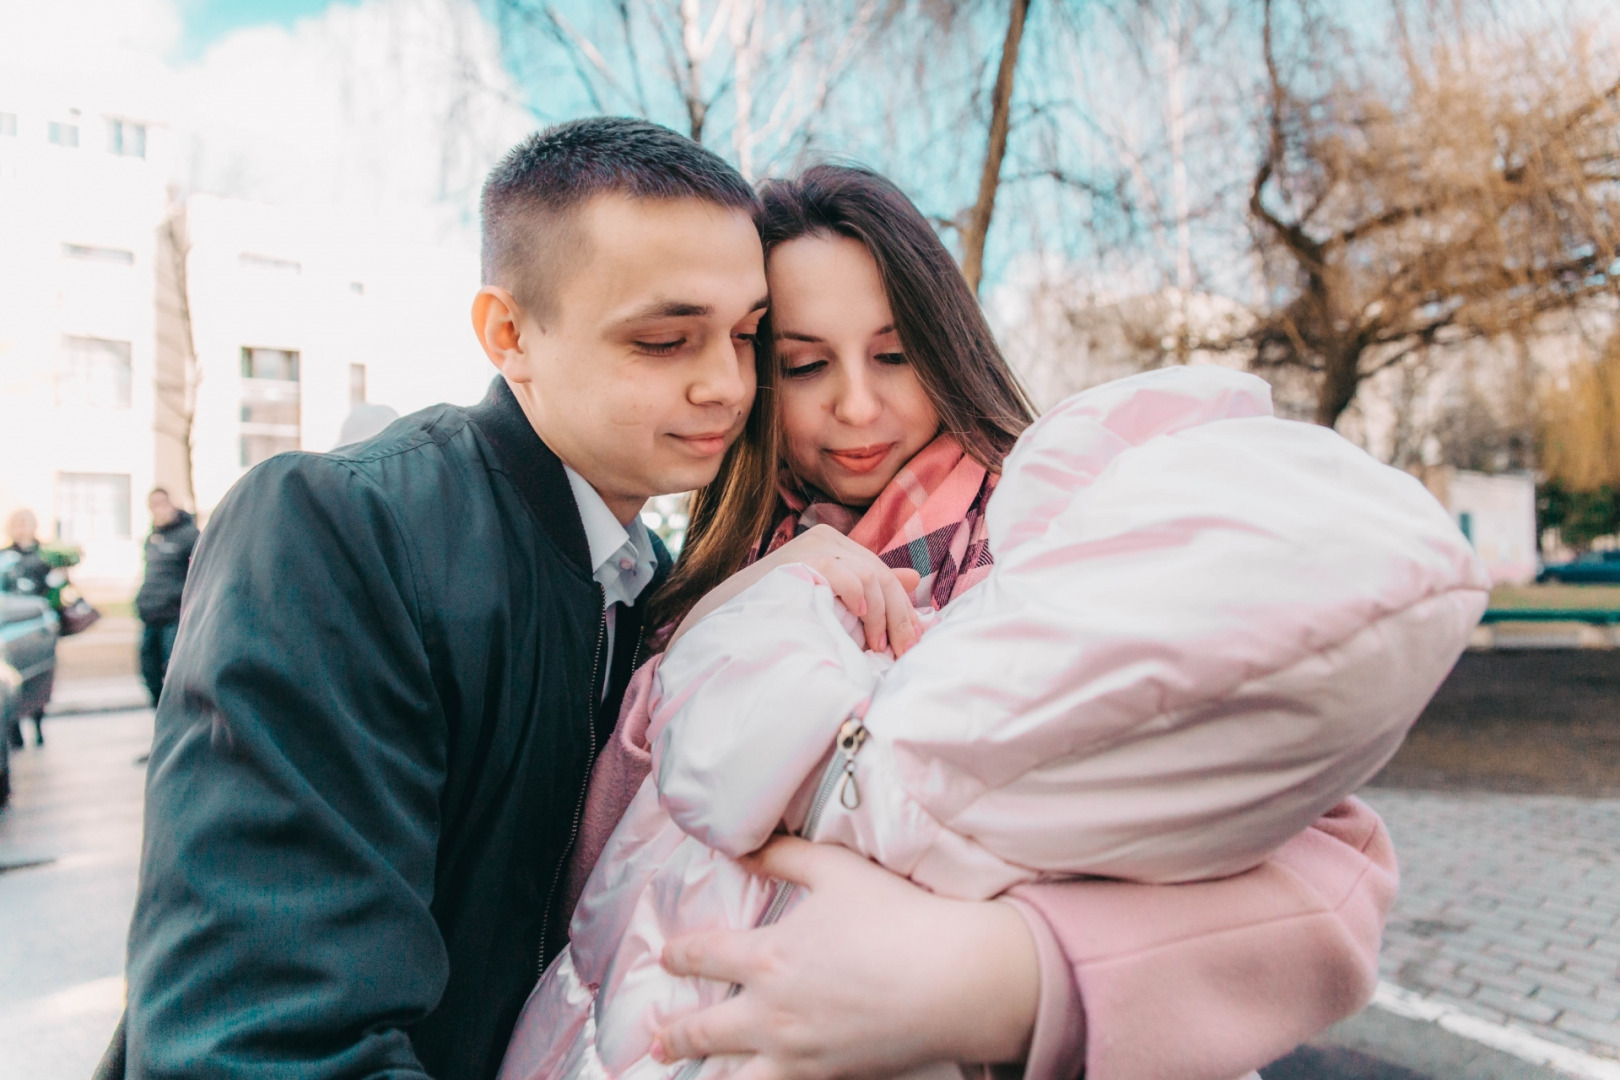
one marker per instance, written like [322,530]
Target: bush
[1579,516]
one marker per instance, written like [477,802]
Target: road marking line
[26,864]
[1510,1040]
[86,999]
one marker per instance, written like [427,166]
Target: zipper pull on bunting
[851,737]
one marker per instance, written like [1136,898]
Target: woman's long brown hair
[941,329]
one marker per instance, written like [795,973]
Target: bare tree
[765,69]
[769,69]
[1466,198]
[1152,133]
[178,373]
[983,210]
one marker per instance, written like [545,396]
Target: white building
[296,319]
[292,317]
[1497,512]
[82,177]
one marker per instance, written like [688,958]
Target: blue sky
[206,21]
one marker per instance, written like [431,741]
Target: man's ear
[498,321]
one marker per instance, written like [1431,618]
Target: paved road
[68,849]
[1510,909]
[1511,869]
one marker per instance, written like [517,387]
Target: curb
[1518,1042]
[91,708]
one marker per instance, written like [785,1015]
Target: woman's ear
[498,322]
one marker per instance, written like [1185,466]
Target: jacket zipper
[839,776]
[593,701]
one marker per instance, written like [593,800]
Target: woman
[892,408]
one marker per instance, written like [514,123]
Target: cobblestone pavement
[1510,909]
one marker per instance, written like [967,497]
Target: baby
[1204,627]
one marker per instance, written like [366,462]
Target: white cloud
[390,111]
[83,30]
[385,112]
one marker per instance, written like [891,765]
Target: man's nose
[720,377]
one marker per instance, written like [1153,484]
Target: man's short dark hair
[533,196]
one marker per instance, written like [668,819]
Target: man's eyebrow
[668,309]
[681,309]
[794,335]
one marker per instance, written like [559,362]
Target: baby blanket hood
[1203,628]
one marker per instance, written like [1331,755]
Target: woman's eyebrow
[795,335]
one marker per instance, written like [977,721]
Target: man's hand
[879,595]
[868,975]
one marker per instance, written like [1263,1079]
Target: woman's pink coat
[1151,982]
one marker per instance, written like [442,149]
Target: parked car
[10,701]
[27,664]
[1593,568]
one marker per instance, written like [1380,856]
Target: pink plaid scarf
[930,518]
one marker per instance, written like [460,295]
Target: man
[398,661]
[168,560]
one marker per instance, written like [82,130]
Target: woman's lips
[862,459]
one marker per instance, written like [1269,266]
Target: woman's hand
[878,595]
[868,975]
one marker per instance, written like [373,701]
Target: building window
[8,123]
[248,260]
[271,410]
[93,373]
[62,133]
[279,365]
[126,138]
[357,384]
[92,506]
[90,253]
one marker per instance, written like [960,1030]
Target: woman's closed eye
[800,371]
[891,358]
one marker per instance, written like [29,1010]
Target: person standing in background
[32,572]
[168,559]
[27,573]
[364,420]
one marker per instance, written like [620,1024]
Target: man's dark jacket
[168,557]
[369,769]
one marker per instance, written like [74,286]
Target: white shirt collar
[622,559]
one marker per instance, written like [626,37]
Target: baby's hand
[877,594]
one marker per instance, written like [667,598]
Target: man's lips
[705,443]
[861,459]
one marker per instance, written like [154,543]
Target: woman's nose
[857,403]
